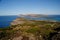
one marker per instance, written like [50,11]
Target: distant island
[51,18]
[33,15]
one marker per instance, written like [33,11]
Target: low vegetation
[40,29]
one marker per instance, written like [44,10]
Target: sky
[16,7]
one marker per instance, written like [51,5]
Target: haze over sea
[6,20]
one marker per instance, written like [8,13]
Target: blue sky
[15,7]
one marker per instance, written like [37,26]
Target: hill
[23,29]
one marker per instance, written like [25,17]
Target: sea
[6,20]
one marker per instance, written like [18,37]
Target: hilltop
[23,29]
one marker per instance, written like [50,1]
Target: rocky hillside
[23,29]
